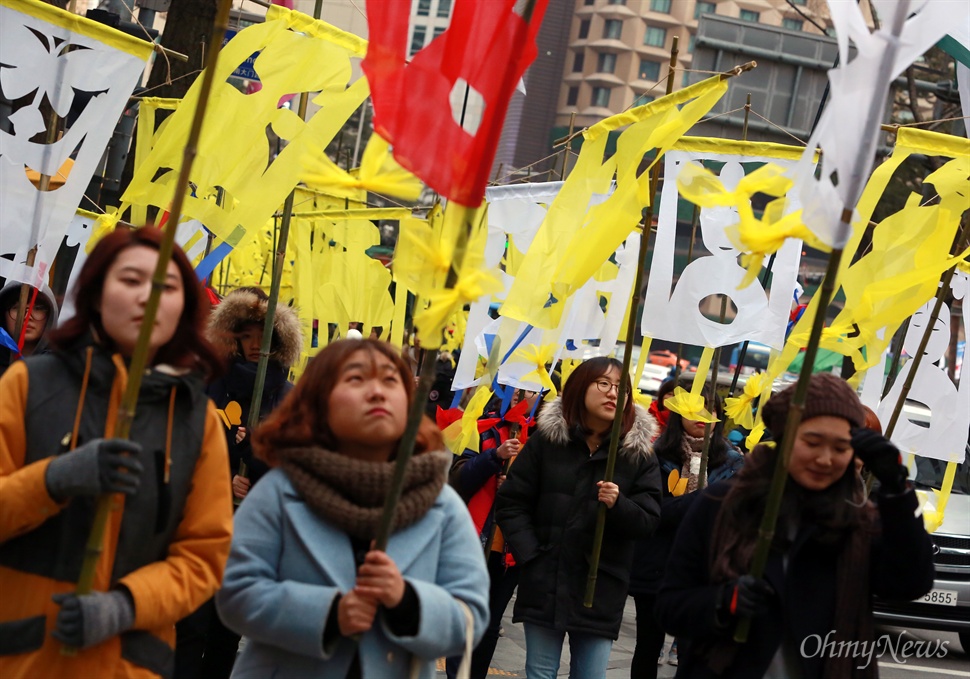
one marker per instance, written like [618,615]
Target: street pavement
[509,658]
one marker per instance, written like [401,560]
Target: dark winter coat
[547,512]
[239,309]
[650,554]
[237,386]
[900,567]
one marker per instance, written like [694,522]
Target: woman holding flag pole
[547,511]
[169,528]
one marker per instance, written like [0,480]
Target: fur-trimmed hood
[241,308]
[637,444]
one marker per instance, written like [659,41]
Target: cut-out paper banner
[77,66]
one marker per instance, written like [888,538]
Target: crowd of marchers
[250,551]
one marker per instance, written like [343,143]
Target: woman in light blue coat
[303,583]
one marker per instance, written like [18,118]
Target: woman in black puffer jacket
[547,512]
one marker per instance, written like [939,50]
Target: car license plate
[940,597]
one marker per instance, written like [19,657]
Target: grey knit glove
[89,619]
[97,467]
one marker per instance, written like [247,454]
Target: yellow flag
[238,179]
[575,239]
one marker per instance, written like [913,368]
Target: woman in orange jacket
[170,526]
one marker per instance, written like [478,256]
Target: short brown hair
[303,418]
[574,393]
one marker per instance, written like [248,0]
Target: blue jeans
[588,654]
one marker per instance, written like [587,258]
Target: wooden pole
[941,293]
[465,215]
[716,360]
[139,359]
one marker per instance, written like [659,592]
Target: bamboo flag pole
[959,244]
[274,290]
[625,382]
[716,360]
[129,401]
[860,171]
[467,217]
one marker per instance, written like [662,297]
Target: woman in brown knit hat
[833,549]
[303,582]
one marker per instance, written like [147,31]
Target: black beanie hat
[827,395]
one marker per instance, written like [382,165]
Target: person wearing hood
[206,648]
[236,330]
[547,511]
[41,321]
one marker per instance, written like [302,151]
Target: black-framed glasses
[605,386]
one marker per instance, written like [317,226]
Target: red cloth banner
[488,46]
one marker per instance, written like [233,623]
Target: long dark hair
[574,394]
[188,347]
[670,444]
[836,511]
[303,417]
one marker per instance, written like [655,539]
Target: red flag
[487,45]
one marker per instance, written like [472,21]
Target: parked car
[653,375]
[755,358]
[947,606]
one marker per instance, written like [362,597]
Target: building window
[572,96]
[578,62]
[438,30]
[584,29]
[588,2]
[686,81]
[798,2]
[606,63]
[691,41]
[601,97]
[616,2]
[643,99]
[613,29]
[748,15]
[792,24]
[660,6]
[649,70]
[424,8]
[417,39]
[655,37]
[704,8]
[444,9]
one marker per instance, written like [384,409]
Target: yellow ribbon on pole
[740,409]
[540,357]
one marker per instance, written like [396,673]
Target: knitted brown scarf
[350,493]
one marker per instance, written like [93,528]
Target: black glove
[881,458]
[747,596]
[99,466]
[88,620]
